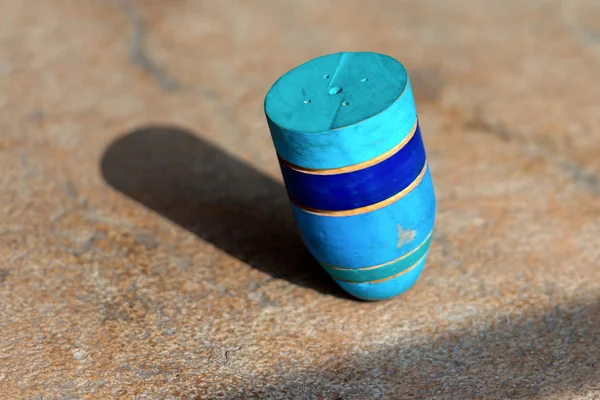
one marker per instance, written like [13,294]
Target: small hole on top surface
[306,101]
[363,80]
[326,76]
[345,103]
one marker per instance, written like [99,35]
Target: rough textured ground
[146,245]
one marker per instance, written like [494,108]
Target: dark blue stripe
[360,188]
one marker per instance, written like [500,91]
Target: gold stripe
[384,264]
[407,270]
[355,167]
[369,208]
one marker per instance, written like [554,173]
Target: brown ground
[146,246]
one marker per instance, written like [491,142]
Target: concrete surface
[146,246]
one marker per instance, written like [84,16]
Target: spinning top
[346,131]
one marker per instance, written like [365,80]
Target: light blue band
[372,238]
[385,289]
[347,145]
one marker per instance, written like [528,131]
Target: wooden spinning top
[346,131]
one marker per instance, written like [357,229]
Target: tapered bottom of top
[385,289]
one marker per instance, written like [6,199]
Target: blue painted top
[340,110]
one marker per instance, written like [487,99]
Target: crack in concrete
[227,353]
[138,54]
[3,275]
[589,38]
[578,174]
[582,177]
[478,122]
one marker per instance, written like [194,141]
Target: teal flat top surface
[335,91]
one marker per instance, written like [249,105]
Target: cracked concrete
[138,52]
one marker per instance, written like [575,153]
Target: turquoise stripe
[380,113]
[372,238]
[385,289]
[377,273]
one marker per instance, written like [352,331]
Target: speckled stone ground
[146,245]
